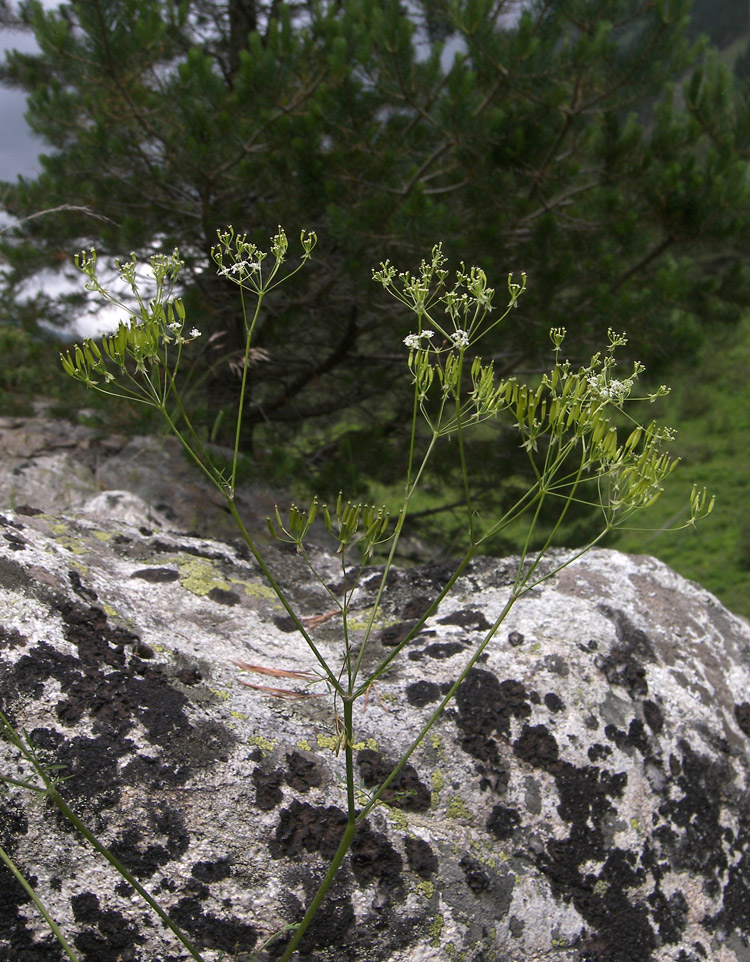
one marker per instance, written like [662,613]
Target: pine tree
[552,139]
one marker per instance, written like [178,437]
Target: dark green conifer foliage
[550,140]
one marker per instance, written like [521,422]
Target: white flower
[243,268]
[412,341]
[195,332]
[174,326]
[611,390]
[460,338]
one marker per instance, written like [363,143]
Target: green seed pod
[68,365]
[296,522]
[108,343]
[600,425]
[633,438]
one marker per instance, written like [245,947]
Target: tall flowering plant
[573,423]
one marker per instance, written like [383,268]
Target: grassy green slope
[710,406]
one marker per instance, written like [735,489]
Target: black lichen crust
[126,698]
[406,791]
[373,862]
[689,836]
[486,707]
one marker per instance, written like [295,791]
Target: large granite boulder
[584,799]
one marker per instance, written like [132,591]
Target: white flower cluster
[240,268]
[413,341]
[176,328]
[611,389]
[460,338]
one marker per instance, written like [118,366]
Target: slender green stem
[521,588]
[76,822]
[39,904]
[347,666]
[527,587]
[543,550]
[243,387]
[346,838]
[281,595]
[206,467]
[462,456]
[440,708]
[412,440]
[198,453]
[380,669]
[20,784]
[408,494]
[29,753]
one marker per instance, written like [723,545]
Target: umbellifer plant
[573,424]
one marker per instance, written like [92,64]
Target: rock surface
[56,465]
[584,799]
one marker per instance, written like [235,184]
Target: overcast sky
[18,147]
[19,152]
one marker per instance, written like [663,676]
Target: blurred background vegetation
[601,146]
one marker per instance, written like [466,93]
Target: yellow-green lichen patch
[327,741]
[200,576]
[102,535]
[426,888]
[396,817]
[362,621]
[371,743]
[362,797]
[458,809]
[478,847]
[66,540]
[436,927]
[601,887]
[304,745]
[71,545]
[255,590]
[266,745]
[239,715]
[223,695]
[438,782]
